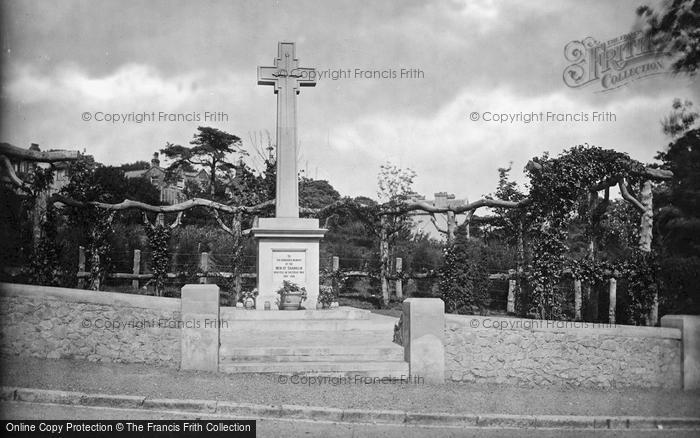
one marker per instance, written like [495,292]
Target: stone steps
[340,353]
[395,369]
[338,342]
[307,338]
[233,313]
[294,325]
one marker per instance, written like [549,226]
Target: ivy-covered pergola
[560,189]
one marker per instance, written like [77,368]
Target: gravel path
[149,381]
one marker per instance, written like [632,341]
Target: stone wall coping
[682,316]
[576,328]
[89,296]
[342,313]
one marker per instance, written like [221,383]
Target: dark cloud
[61,58]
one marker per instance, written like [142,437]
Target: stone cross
[287,77]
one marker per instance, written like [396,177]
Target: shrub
[326,295]
[464,282]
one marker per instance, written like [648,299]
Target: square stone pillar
[689,325]
[423,333]
[288,249]
[199,309]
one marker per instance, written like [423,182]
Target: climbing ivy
[99,246]
[559,194]
[559,184]
[44,266]
[158,238]
[545,272]
[464,281]
[96,222]
[641,271]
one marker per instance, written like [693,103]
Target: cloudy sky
[64,58]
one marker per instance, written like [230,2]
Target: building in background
[25,165]
[423,222]
[171,190]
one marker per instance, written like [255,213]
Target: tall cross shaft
[286,76]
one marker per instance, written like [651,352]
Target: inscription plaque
[290,266]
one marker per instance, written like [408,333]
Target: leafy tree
[136,189]
[193,189]
[421,253]
[394,188]
[25,210]
[15,235]
[248,188]
[86,185]
[136,165]
[507,189]
[114,187]
[679,199]
[352,235]
[678,215]
[679,278]
[394,183]
[680,120]
[364,200]
[511,228]
[674,30]
[211,150]
[316,193]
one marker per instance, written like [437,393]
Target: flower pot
[290,301]
[319,306]
[249,303]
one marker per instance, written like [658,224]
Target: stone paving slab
[246,339]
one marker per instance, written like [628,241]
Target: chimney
[155,162]
[34,147]
[441,199]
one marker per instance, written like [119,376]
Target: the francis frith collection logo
[612,64]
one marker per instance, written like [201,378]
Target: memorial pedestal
[288,249]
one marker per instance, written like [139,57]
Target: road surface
[298,428]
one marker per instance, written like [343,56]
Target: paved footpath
[75,389]
[298,428]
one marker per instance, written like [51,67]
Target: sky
[65,59]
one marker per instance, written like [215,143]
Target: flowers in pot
[326,296]
[248,298]
[291,295]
